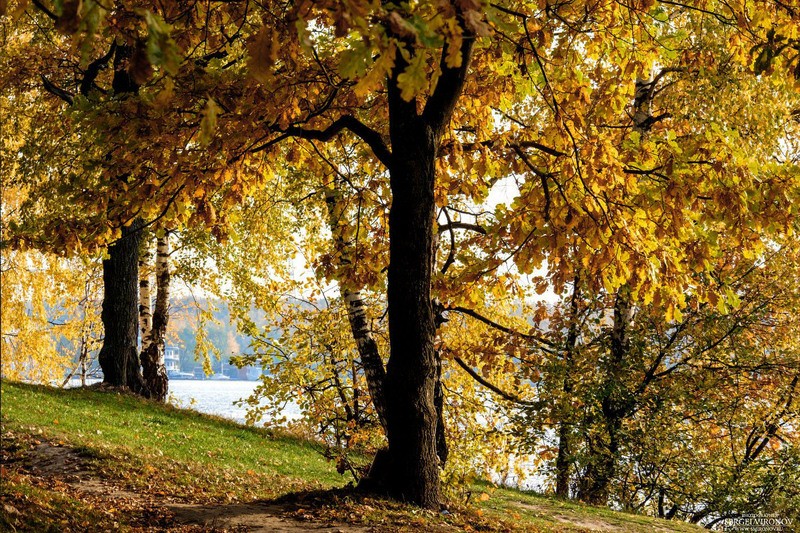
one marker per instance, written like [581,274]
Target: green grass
[177,453]
[191,454]
[552,514]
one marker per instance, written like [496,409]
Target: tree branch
[541,147]
[504,329]
[718,16]
[442,102]
[44,10]
[94,68]
[371,137]
[56,90]
[518,147]
[462,225]
[451,256]
[505,395]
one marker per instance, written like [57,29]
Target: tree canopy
[652,155]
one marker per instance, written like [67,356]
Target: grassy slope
[182,454]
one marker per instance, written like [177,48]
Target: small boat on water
[221,375]
[176,374]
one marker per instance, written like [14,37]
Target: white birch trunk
[371,361]
[155,373]
[145,316]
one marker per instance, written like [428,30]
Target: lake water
[217,397]
[213,397]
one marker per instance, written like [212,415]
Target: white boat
[221,374]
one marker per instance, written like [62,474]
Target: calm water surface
[213,397]
[216,397]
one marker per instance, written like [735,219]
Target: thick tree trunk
[118,356]
[596,481]
[615,406]
[412,464]
[152,357]
[562,460]
[411,372]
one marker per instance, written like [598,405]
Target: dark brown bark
[442,451]
[615,405]
[120,314]
[596,481]
[152,356]
[562,460]
[118,357]
[412,472]
[409,468]
[661,499]
[411,371]
[411,374]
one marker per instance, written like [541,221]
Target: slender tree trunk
[81,363]
[442,451]
[145,314]
[562,460]
[152,357]
[564,430]
[84,356]
[118,356]
[368,352]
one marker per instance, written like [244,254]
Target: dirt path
[568,519]
[254,516]
[581,522]
[65,469]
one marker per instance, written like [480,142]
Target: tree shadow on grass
[317,510]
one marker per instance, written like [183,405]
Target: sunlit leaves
[413,79]
[263,53]
[667,200]
[50,314]
[209,123]
[162,51]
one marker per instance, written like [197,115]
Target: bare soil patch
[254,516]
[582,522]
